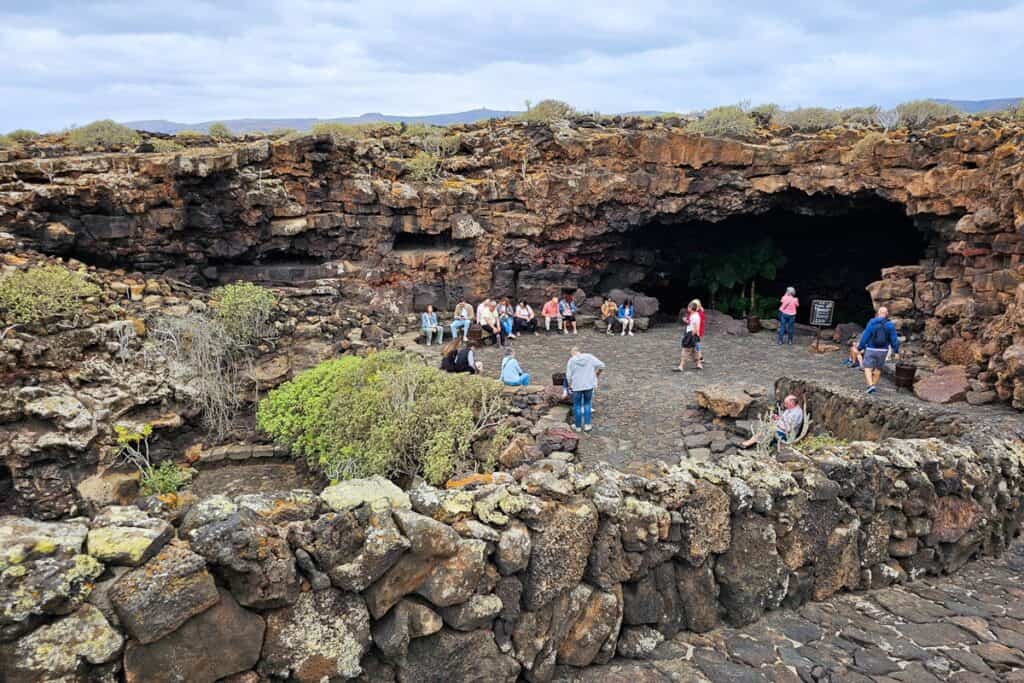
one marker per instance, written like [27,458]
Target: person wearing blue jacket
[511,372]
[879,336]
[430,326]
[626,317]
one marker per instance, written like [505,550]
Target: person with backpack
[627,317]
[787,315]
[511,372]
[581,376]
[465,360]
[879,336]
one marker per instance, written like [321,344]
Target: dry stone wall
[516,578]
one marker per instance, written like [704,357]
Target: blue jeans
[581,401]
[506,325]
[460,325]
[786,326]
[522,381]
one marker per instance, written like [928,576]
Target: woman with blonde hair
[694,321]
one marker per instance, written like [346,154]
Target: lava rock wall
[551,567]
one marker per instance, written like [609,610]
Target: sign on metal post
[821,316]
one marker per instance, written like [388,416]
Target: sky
[71,62]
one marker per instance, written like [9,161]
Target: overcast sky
[74,61]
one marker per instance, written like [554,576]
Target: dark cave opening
[824,250]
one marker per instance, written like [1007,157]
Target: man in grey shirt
[581,375]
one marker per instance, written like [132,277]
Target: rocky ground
[967,627]
[646,412]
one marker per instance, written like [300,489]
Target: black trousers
[520,325]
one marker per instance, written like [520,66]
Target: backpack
[462,361]
[879,336]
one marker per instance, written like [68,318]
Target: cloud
[192,61]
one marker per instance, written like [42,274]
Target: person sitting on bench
[430,326]
[609,313]
[525,320]
[463,319]
[511,372]
[550,312]
[505,315]
[627,317]
[567,311]
[491,324]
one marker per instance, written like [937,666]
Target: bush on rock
[32,295]
[727,121]
[106,134]
[386,413]
[245,310]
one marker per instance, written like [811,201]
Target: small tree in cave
[722,272]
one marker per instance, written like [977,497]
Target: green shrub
[341,131]
[865,147]
[6,142]
[865,116]
[28,296]
[106,134]
[23,135]
[728,121]
[387,413]
[164,478]
[921,113]
[245,310]
[423,166]
[817,442]
[218,131]
[1015,112]
[765,114]
[810,119]
[189,135]
[283,132]
[547,111]
[163,145]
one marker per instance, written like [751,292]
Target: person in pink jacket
[787,315]
[550,312]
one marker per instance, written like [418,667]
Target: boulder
[216,508]
[156,598]
[705,523]
[125,535]
[593,636]
[281,506]
[946,385]
[716,322]
[355,567]
[952,518]
[402,579]
[646,306]
[698,596]
[453,580]
[324,635]
[449,656]
[57,651]
[750,574]
[560,551]
[251,555]
[725,400]
[224,640]
[477,612]
[427,536]
[409,619]
[514,547]
[350,494]
[638,642]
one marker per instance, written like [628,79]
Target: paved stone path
[964,628]
[641,404]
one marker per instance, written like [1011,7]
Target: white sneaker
[588,428]
[631,334]
[623,334]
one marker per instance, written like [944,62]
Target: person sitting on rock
[788,424]
[450,354]
[463,319]
[525,320]
[627,317]
[505,315]
[511,372]
[550,312]
[567,311]
[609,313]
[879,336]
[853,357]
[490,323]
[430,326]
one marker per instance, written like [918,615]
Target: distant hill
[976,106]
[266,125]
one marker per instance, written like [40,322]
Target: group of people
[624,314]
[500,320]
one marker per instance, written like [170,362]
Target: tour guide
[879,335]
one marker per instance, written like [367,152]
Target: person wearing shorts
[567,311]
[879,336]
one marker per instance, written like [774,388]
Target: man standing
[581,375]
[879,336]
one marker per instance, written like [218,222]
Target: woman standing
[694,322]
[787,315]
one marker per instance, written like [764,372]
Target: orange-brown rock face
[537,206]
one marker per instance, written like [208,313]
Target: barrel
[903,376]
[558,379]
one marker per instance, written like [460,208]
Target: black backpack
[462,361]
[879,336]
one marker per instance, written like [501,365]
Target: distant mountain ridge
[269,124]
[978,106]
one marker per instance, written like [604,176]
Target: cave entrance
[830,250]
